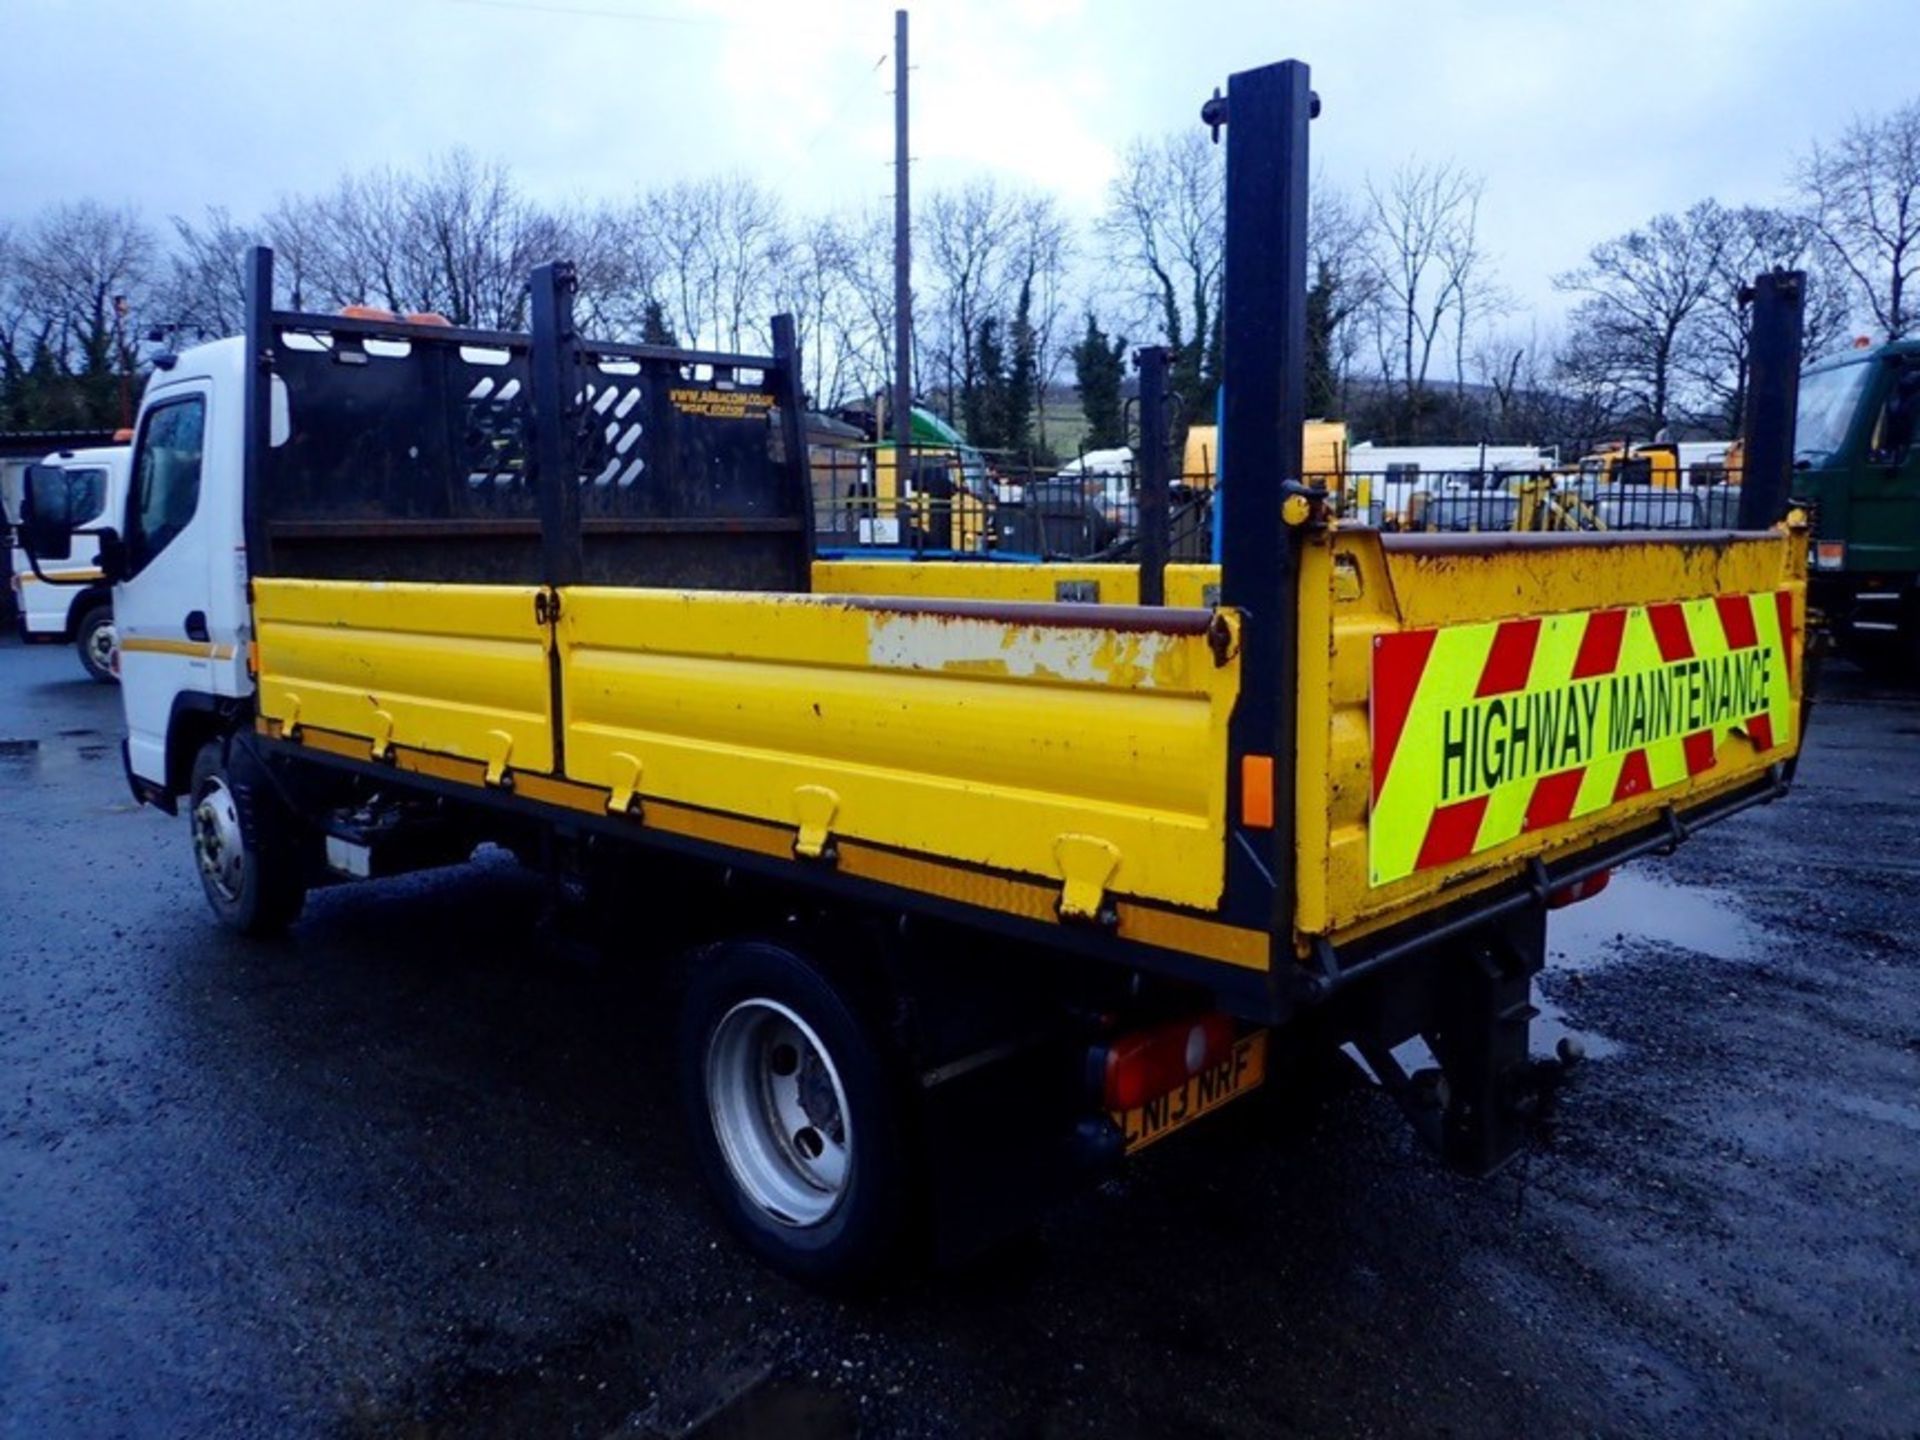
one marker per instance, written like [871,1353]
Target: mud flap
[1007,1135]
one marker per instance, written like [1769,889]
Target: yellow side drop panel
[1091,754]
[1360,589]
[455,669]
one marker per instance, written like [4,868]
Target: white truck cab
[71,599]
[180,603]
[169,539]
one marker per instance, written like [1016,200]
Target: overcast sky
[1584,117]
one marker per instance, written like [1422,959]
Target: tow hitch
[1487,1095]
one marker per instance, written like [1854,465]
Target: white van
[54,613]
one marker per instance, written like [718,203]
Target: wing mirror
[55,503]
[47,515]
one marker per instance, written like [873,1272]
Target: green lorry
[1859,469]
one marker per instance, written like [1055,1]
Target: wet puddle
[1635,908]
[611,1381]
[36,757]
[1638,908]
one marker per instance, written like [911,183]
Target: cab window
[166,478]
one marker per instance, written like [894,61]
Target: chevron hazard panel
[1481,733]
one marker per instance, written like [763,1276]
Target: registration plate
[1243,1070]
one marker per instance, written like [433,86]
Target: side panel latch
[1087,864]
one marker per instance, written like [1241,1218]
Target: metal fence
[959,504]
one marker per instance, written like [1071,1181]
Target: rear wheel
[97,642]
[795,1115]
[245,848]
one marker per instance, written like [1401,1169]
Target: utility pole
[902,264]
[120,360]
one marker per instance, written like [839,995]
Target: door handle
[196,625]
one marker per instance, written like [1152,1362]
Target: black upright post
[555,376]
[1263,412]
[1155,517]
[793,436]
[256,410]
[901,402]
[1773,395]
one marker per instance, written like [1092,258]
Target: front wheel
[245,848]
[98,643]
[796,1117]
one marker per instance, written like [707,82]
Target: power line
[643,17]
[857,92]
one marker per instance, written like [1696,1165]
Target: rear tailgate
[1469,703]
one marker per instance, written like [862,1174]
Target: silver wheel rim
[779,1112]
[216,840]
[101,645]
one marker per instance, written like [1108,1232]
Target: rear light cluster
[1580,890]
[1143,1065]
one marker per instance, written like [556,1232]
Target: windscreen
[1828,400]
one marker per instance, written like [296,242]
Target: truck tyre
[248,860]
[796,1118]
[95,639]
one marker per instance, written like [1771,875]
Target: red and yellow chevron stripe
[1481,733]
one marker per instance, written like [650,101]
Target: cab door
[1885,529]
[164,597]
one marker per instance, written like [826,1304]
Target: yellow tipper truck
[982,894]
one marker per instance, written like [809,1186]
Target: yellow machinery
[1323,456]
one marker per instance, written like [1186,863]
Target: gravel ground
[403,1174]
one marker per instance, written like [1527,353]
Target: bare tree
[621,273]
[1515,367]
[471,238]
[1427,266]
[15,307]
[1046,250]
[721,244]
[1527,401]
[88,270]
[1864,195]
[1754,239]
[969,240]
[342,247]
[205,293]
[1340,291]
[817,289]
[745,251]
[1641,295]
[869,264]
[75,285]
[1467,271]
[1165,223]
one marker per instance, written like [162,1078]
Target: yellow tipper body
[1466,705]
